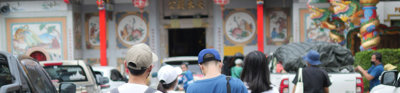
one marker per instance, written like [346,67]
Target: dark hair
[378,56]
[256,72]
[186,64]
[207,60]
[135,72]
[163,87]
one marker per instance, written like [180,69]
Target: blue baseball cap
[312,57]
[203,52]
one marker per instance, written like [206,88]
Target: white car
[106,72]
[74,71]
[390,83]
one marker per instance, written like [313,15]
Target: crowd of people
[250,74]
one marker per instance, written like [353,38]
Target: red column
[260,25]
[103,37]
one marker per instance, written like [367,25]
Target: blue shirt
[217,85]
[375,71]
[186,78]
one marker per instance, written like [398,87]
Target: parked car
[26,76]
[106,72]
[390,83]
[77,72]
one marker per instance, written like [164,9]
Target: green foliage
[389,56]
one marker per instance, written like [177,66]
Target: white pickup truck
[336,60]
[341,82]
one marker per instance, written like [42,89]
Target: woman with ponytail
[168,78]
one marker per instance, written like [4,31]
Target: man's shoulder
[378,67]
[236,81]
[312,69]
[219,80]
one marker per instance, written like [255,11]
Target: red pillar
[260,25]
[103,37]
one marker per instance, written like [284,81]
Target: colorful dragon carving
[347,15]
[369,31]
[328,20]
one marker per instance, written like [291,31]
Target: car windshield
[66,73]
[193,65]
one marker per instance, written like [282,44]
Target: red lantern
[66,1]
[140,4]
[222,3]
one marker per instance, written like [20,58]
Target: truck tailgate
[343,83]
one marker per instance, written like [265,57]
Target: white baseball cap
[168,73]
[238,61]
[141,56]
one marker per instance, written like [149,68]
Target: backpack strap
[228,86]
[150,90]
[115,90]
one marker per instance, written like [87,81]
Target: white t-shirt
[273,90]
[171,91]
[131,87]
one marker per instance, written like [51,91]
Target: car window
[38,77]
[95,76]
[193,65]
[5,74]
[66,73]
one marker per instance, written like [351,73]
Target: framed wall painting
[131,28]
[92,31]
[278,26]
[240,27]
[309,30]
[46,35]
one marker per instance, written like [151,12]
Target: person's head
[376,58]
[167,76]
[312,58]
[256,72]
[139,59]
[184,66]
[209,59]
[238,61]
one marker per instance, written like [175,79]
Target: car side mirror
[389,78]
[117,76]
[67,88]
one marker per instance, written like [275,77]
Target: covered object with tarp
[333,57]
